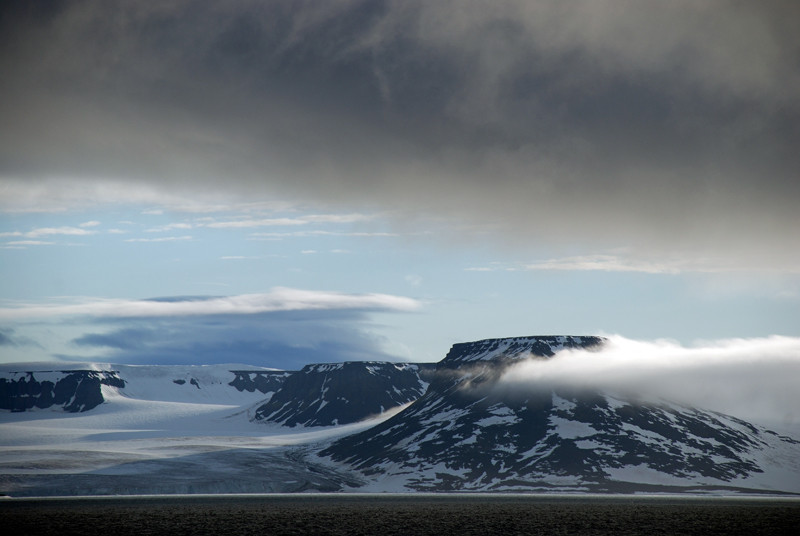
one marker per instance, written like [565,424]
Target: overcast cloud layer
[670,128]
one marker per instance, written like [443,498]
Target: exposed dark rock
[74,390]
[259,380]
[340,393]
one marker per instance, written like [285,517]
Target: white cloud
[267,222]
[29,243]
[93,223]
[169,227]
[606,263]
[161,239]
[303,220]
[49,231]
[250,257]
[69,193]
[749,378]
[338,218]
[617,263]
[33,234]
[278,299]
[296,234]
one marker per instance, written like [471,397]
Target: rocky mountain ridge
[73,390]
[340,393]
[326,394]
[456,425]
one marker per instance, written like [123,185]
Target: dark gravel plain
[387,515]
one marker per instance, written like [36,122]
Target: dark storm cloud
[670,127]
[286,340]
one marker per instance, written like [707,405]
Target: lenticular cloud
[277,300]
[755,379]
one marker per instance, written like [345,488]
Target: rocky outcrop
[257,380]
[341,393]
[73,390]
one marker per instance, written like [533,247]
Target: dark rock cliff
[257,380]
[74,390]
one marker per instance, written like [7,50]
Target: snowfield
[193,429]
[155,426]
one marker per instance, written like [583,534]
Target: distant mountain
[80,390]
[318,395]
[456,425]
[72,390]
[263,381]
[341,393]
[469,433]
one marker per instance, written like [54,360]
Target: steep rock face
[256,380]
[74,390]
[470,432]
[341,393]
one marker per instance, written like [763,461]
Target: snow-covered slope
[181,429]
[48,386]
[214,384]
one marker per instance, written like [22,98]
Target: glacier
[368,427]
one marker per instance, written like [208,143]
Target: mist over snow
[754,379]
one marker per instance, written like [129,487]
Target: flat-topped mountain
[470,432]
[516,348]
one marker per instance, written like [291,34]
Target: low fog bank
[753,379]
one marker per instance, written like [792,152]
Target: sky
[280,183]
